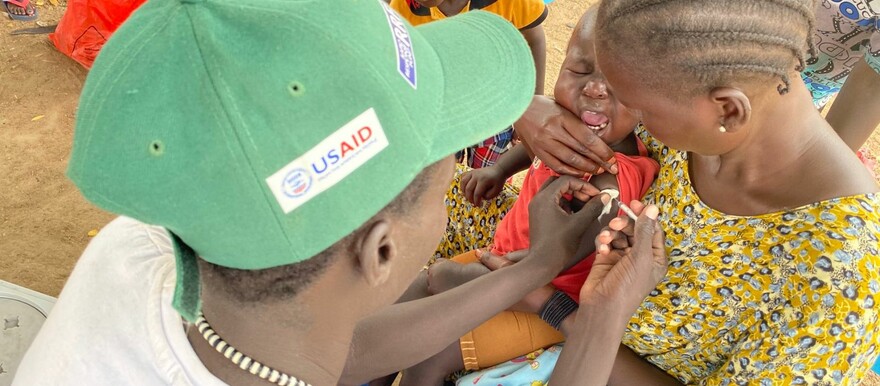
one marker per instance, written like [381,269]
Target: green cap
[261,133]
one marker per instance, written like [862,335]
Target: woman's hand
[562,141]
[630,260]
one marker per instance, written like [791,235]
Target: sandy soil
[44,222]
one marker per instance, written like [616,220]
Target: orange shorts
[506,336]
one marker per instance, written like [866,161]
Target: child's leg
[434,370]
[445,275]
[506,336]
[417,290]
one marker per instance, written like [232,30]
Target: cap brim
[489,78]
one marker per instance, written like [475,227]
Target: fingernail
[600,171]
[603,248]
[605,198]
[613,168]
[652,212]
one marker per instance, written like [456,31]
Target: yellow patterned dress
[471,227]
[785,298]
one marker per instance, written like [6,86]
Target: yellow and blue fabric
[777,299]
[786,298]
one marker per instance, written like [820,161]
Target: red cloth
[87,24]
[636,173]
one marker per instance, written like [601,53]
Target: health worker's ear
[376,252]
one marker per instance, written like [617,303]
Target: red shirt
[636,173]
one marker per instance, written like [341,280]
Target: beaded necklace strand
[243,361]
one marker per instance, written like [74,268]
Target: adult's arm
[538,44]
[855,112]
[630,261]
[405,334]
[562,141]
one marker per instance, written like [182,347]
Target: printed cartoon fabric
[533,369]
[470,227]
[780,299]
[846,32]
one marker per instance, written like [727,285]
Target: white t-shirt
[113,323]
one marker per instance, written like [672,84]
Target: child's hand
[630,260]
[482,184]
[555,232]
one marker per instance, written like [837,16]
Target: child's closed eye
[580,71]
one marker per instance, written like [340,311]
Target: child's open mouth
[595,121]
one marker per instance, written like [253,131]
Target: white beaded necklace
[245,362]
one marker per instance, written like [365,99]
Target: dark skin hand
[562,141]
[382,343]
[630,261]
[486,183]
[628,367]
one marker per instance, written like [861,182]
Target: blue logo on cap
[406,60]
[296,183]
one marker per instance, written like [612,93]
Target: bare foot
[16,10]
[445,274]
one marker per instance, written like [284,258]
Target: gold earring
[722,129]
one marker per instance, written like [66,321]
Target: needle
[626,210]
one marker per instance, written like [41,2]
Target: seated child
[526,15]
[580,88]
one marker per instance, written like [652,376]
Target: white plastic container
[22,313]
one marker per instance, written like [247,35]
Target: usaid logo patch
[406,60]
[296,183]
[328,162]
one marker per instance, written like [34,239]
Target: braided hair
[714,42]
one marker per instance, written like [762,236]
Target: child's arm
[537,43]
[602,182]
[485,183]
[535,301]
[856,111]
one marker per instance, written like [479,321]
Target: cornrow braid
[745,36]
[715,42]
[807,9]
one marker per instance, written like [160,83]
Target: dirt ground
[44,222]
